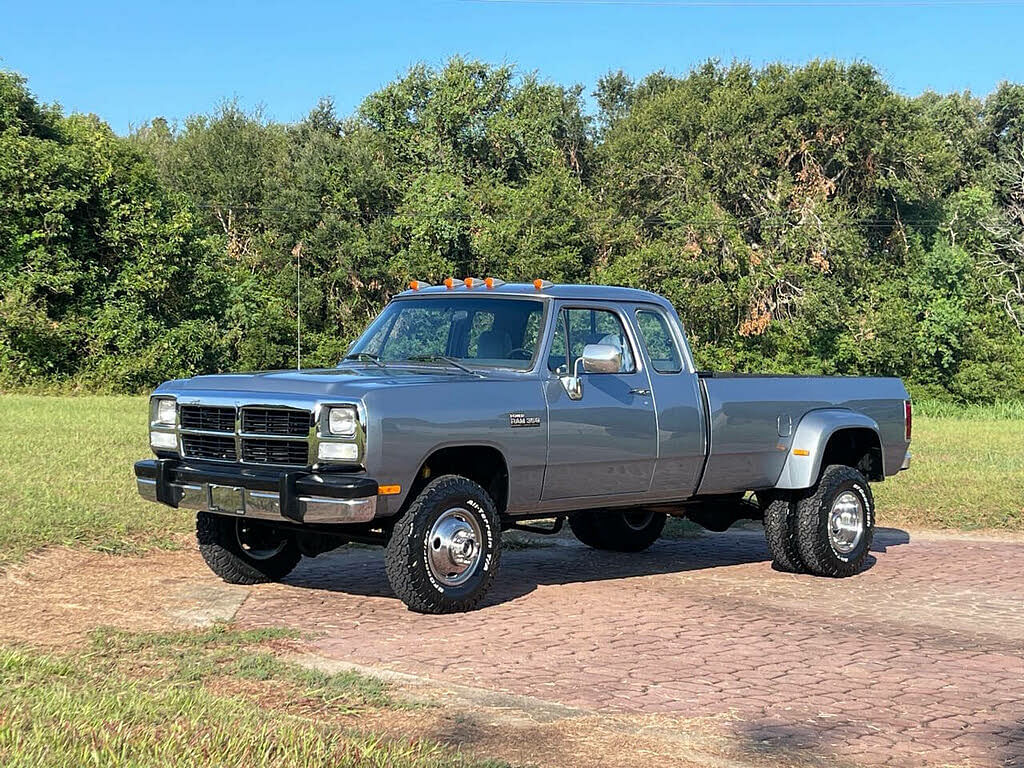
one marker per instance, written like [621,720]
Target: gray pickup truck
[472,408]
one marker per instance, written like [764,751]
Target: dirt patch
[56,597]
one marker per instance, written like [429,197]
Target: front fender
[803,464]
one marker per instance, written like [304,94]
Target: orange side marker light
[389,490]
[801,452]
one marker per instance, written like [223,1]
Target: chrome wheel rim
[846,522]
[454,547]
[638,520]
[256,543]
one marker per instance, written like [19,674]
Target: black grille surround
[275,451]
[207,417]
[216,447]
[276,421]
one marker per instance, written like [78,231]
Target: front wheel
[836,522]
[245,551]
[629,530]
[444,551]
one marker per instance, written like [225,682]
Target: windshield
[484,332]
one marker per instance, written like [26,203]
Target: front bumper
[298,497]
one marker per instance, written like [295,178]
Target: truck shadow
[361,571]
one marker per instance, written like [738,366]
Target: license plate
[228,499]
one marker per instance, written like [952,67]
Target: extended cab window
[578,327]
[483,332]
[658,340]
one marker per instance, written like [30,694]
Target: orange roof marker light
[451,282]
[492,282]
[540,285]
[417,284]
[471,281]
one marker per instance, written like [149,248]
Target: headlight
[163,411]
[342,421]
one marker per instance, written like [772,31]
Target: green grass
[66,474]
[967,473]
[154,700]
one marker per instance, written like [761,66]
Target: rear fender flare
[801,470]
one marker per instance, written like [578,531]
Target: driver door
[605,443]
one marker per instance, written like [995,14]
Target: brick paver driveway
[918,660]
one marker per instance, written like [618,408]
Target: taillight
[908,418]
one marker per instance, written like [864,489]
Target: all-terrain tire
[408,552]
[780,531]
[814,512]
[617,530]
[221,548]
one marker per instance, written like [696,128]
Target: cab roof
[547,291]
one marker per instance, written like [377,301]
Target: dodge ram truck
[475,407]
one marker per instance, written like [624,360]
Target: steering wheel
[519,354]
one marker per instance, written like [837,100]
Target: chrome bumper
[906,462]
[264,505]
[291,498]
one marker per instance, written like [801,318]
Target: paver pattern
[919,660]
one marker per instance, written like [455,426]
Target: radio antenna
[297,253]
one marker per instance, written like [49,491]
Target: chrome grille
[207,417]
[209,447]
[275,451]
[275,421]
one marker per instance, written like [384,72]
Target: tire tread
[400,557]
[812,539]
[218,547]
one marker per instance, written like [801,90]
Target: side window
[658,340]
[558,358]
[597,326]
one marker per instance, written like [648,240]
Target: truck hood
[348,381]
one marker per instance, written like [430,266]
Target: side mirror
[597,358]
[602,358]
[573,386]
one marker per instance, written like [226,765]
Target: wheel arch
[482,463]
[832,436]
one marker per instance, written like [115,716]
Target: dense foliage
[801,219]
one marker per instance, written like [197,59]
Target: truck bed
[752,420]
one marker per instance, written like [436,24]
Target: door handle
[639,391]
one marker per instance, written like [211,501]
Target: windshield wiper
[365,357]
[443,359]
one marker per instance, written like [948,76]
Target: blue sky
[129,61]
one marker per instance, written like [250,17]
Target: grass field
[208,698]
[66,475]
